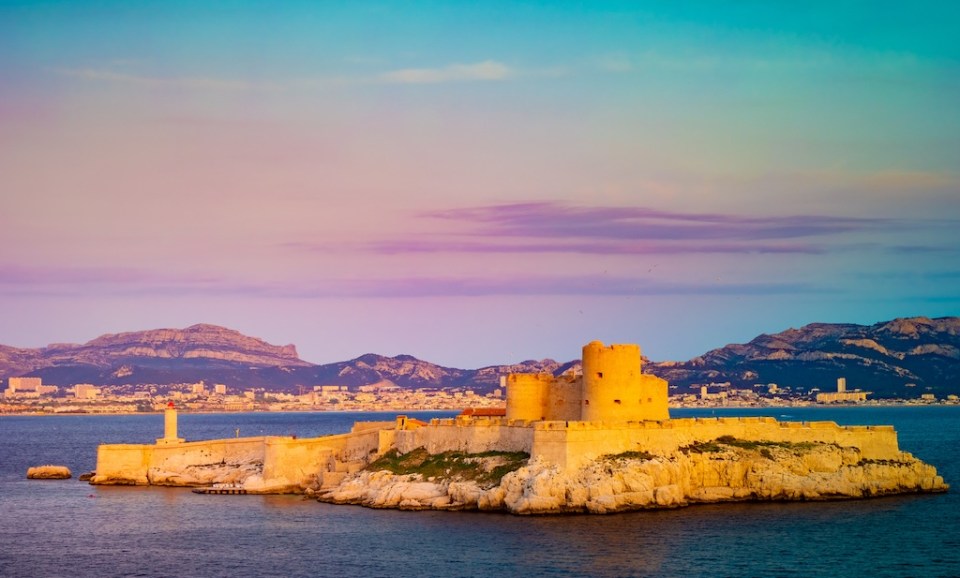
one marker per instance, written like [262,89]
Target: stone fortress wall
[570,444]
[287,462]
[566,421]
[613,408]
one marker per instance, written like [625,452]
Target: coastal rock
[206,475]
[49,472]
[719,473]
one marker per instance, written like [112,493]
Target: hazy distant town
[28,395]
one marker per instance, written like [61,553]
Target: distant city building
[28,387]
[842,397]
[220,389]
[86,391]
[15,384]
[197,388]
[328,389]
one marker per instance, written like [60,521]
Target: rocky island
[599,441]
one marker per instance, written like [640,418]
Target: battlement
[612,388]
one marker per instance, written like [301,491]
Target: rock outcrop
[227,473]
[159,356]
[189,475]
[49,472]
[704,473]
[200,341]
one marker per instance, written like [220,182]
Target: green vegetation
[869,461]
[486,468]
[702,448]
[763,446]
[630,455]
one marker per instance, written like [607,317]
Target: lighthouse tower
[170,426]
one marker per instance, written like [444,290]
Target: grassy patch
[763,446]
[869,461]
[631,455]
[486,468]
[702,448]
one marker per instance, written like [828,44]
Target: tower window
[600,375]
[616,401]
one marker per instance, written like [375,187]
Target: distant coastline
[456,408]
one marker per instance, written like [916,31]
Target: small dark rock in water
[87,476]
[49,472]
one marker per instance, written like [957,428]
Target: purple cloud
[556,220]
[414,287]
[588,247]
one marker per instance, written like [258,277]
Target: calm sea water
[52,528]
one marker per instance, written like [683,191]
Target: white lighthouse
[170,426]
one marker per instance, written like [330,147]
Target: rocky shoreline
[720,471]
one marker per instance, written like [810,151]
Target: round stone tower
[527,395]
[612,386]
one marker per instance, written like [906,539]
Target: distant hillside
[219,355]
[156,356]
[882,358]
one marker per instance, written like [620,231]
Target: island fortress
[566,423]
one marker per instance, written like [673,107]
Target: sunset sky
[476,183]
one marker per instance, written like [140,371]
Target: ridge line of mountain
[884,357]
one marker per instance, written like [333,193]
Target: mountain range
[897,358]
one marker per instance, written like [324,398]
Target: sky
[476,183]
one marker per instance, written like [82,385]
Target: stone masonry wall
[468,435]
[571,444]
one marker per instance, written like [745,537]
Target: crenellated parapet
[612,388]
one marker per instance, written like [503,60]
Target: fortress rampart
[569,444]
[130,463]
[287,461]
[469,435]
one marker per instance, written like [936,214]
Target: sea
[67,527]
